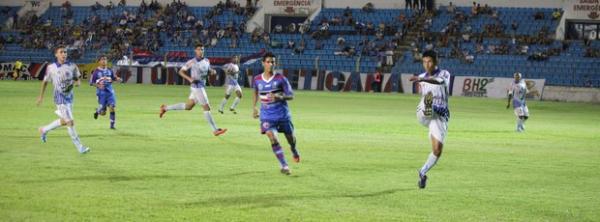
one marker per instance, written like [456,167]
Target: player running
[102,79]
[232,70]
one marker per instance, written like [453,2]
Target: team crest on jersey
[260,86]
[266,125]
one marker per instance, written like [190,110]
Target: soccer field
[360,155]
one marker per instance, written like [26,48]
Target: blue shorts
[107,100]
[282,126]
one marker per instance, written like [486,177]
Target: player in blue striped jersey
[273,90]
[64,76]
[432,111]
[102,78]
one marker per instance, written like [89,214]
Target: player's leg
[276,147]
[67,119]
[288,130]
[524,117]
[519,113]
[188,105]
[101,106]
[112,104]
[437,134]
[51,126]
[238,93]
[224,100]
[202,98]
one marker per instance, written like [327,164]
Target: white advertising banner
[292,7]
[493,87]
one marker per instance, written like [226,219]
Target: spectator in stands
[291,28]
[278,28]
[368,8]
[300,48]
[451,8]
[377,79]
[291,44]
[407,4]
[475,9]
[318,44]
[556,14]
[539,15]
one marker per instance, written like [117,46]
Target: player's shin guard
[210,120]
[431,160]
[74,137]
[53,125]
[178,106]
[235,102]
[112,119]
[279,154]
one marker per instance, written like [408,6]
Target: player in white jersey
[199,68]
[432,111]
[517,93]
[63,75]
[232,70]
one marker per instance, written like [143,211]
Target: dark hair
[267,55]
[198,45]
[431,54]
[57,48]
[102,56]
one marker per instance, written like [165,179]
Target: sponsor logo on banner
[476,86]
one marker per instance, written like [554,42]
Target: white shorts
[199,96]
[64,111]
[438,127]
[232,88]
[522,111]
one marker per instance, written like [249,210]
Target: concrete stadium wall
[571,94]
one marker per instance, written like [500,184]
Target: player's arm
[287,94]
[428,79]
[254,101]
[184,75]
[42,91]
[115,77]
[77,77]
[510,96]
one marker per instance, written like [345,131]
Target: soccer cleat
[286,170]
[95,115]
[113,128]
[232,110]
[422,181]
[84,150]
[428,101]
[42,135]
[219,131]
[221,111]
[297,158]
[163,110]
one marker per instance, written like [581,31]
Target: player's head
[269,62]
[430,60]
[103,60]
[517,76]
[60,52]
[235,59]
[199,50]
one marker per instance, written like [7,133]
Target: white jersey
[519,92]
[63,78]
[198,71]
[439,92]
[233,73]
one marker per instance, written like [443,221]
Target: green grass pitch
[360,155]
